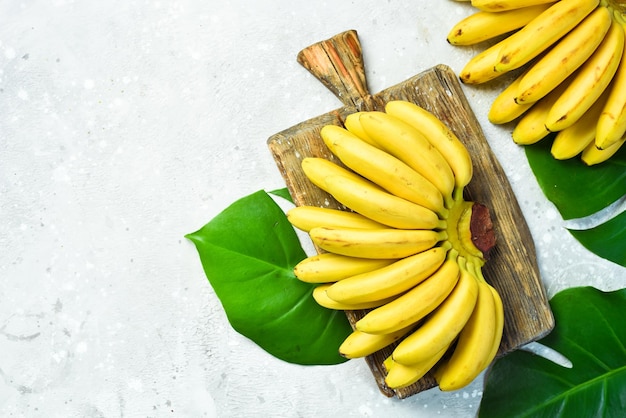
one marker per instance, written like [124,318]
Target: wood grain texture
[512,268]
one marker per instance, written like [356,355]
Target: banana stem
[462,261]
[448,202]
[474,270]
[459,233]
[457,194]
[444,212]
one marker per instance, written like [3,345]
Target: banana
[399,255]
[397,137]
[443,326]
[480,69]
[502,5]
[352,124]
[571,141]
[382,169]
[415,304]
[329,267]
[612,122]
[367,198]
[320,296]
[474,344]
[318,169]
[589,81]
[439,135]
[401,375]
[389,281]
[542,32]
[375,243]
[504,108]
[306,218]
[360,344]
[382,206]
[531,127]
[565,57]
[592,155]
[497,340]
[483,25]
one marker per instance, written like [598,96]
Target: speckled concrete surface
[125,125]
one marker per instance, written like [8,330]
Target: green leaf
[284,193]
[579,191]
[248,253]
[590,332]
[576,189]
[607,240]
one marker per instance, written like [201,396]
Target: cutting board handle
[338,63]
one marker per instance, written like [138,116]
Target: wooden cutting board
[512,269]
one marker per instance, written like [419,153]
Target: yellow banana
[542,32]
[438,134]
[382,169]
[360,344]
[502,5]
[504,108]
[565,57]
[497,340]
[474,344]
[367,198]
[353,125]
[306,218]
[415,304]
[592,155]
[388,281]
[322,299]
[483,25]
[589,81]
[444,325]
[396,137]
[612,122]
[375,243]
[401,375]
[318,169]
[330,267]
[531,127]
[571,141]
[481,68]
[382,206]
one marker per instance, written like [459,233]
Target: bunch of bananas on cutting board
[406,249]
[570,59]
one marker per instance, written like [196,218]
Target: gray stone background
[128,123]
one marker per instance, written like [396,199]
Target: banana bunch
[403,250]
[571,78]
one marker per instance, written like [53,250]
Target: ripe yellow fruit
[573,49]
[404,255]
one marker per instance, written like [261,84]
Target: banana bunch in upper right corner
[570,57]
[405,250]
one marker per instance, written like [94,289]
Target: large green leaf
[590,332]
[579,191]
[575,189]
[284,193]
[248,252]
[607,239]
